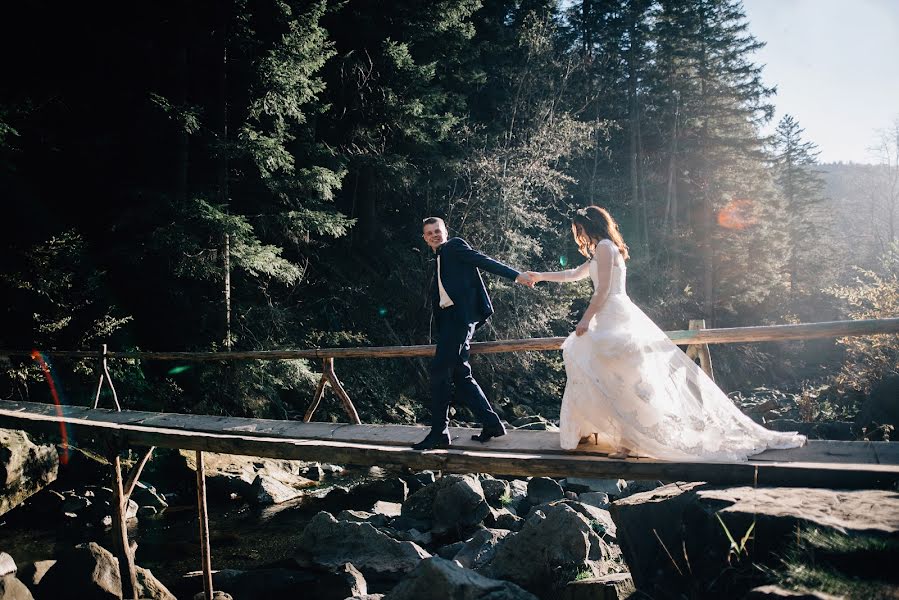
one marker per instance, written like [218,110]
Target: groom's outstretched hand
[525,279]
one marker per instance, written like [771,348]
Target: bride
[629,386]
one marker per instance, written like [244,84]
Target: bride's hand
[534,275]
[581,328]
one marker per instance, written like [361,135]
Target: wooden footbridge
[835,464]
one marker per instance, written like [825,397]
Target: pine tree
[802,188]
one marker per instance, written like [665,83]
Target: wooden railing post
[330,377]
[701,350]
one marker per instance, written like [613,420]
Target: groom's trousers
[451,367]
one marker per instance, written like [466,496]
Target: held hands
[525,279]
[534,275]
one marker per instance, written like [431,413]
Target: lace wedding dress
[629,384]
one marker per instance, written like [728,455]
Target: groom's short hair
[431,221]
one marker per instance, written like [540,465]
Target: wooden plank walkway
[834,464]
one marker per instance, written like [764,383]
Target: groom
[460,304]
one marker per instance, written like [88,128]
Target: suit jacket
[459,265]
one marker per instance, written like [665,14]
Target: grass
[506,499]
[856,566]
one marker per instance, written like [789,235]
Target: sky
[836,67]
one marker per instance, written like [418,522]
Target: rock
[146,511]
[7,565]
[610,487]
[480,548]
[599,519]
[496,491]
[773,592]
[228,474]
[450,550]
[25,468]
[452,504]
[267,491]
[550,550]
[439,579]
[597,499]
[31,573]
[313,473]
[392,489]
[88,571]
[614,586]
[696,520]
[262,584]
[149,586]
[13,589]
[417,481]
[504,520]
[331,543]
[638,487]
[543,489]
[360,516]
[388,509]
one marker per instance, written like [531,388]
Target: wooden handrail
[766,333]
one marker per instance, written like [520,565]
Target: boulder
[453,504]
[496,492]
[419,480]
[330,543]
[13,589]
[503,519]
[361,516]
[25,468]
[216,595]
[610,487]
[266,491]
[439,579]
[544,489]
[597,499]
[657,528]
[146,495]
[392,489]
[7,565]
[89,572]
[31,573]
[551,549]
[480,548]
[614,586]
[388,509]
[599,519]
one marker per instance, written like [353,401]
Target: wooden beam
[127,570]
[768,333]
[380,449]
[203,518]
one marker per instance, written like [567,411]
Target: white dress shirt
[445,300]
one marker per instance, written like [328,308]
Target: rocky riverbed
[312,530]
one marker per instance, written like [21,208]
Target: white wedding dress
[629,384]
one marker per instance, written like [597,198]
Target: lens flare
[382,312]
[737,214]
[563,260]
[178,369]
[63,429]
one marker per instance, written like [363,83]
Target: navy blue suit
[459,265]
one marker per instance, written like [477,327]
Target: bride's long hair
[592,225]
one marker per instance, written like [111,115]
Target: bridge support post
[330,377]
[127,570]
[701,350]
[204,527]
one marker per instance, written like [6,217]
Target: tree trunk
[222,166]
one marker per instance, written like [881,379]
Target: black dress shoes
[488,434]
[432,442]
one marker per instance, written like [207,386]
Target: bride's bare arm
[605,259]
[581,272]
